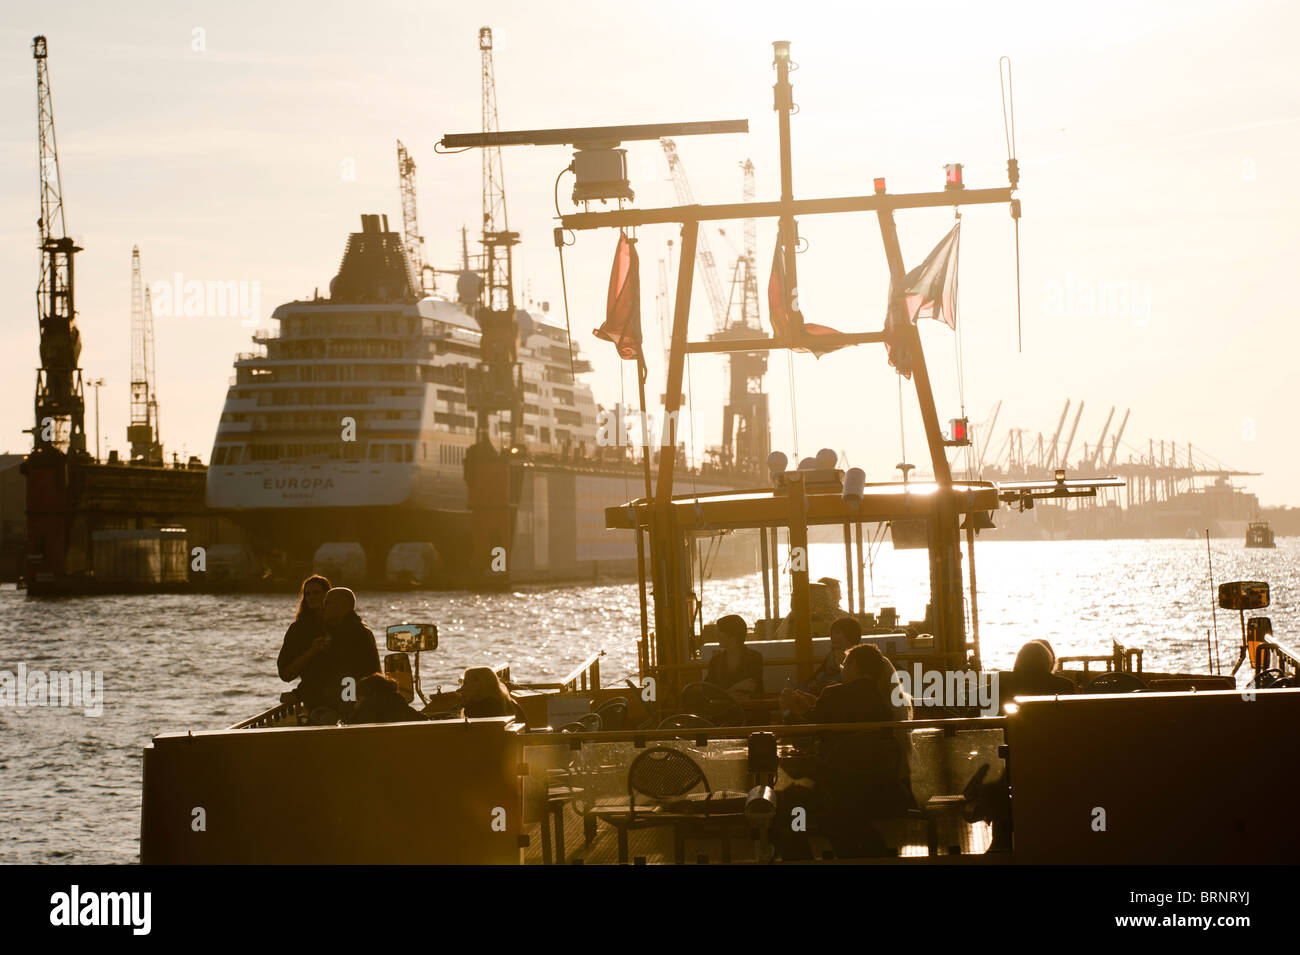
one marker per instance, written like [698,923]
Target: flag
[623,306]
[928,291]
[776,308]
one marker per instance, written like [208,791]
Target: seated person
[824,607]
[1032,674]
[851,764]
[846,633]
[736,668]
[380,701]
[862,696]
[482,694]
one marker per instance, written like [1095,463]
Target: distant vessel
[1259,534]
[343,445]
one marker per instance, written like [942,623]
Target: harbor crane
[1056,436]
[1119,436]
[745,273]
[708,266]
[1065,455]
[497,385]
[142,430]
[1092,459]
[60,394]
[746,430]
[421,275]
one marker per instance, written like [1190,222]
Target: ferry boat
[1138,766]
[346,442]
[1259,534]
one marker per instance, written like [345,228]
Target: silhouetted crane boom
[1101,442]
[411,237]
[1056,436]
[142,429]
[1065,455]
[1119,436]
[708,266]
[60,398]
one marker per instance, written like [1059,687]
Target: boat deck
[905,838]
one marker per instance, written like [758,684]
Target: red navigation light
[879,183]
[952,176]
[960,430]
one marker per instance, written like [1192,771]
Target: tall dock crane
[746,432]
[495,386]
[708,266]
[142,431]
[421,275]
[60,395]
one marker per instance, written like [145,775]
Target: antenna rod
[1214,613]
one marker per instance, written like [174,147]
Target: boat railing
[585,676]
[1122,659]
[707,733]
[282,714]
[1273,656]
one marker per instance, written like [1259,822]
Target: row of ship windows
[453,375]
[389,452]
[328,419]
[318,326]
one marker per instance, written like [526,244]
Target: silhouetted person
[846,633]
[483,694]
[858,776]
[1032,674]
[301,654]
[380,701]
[862,696]
[348,655]
[823,609]
[736,668]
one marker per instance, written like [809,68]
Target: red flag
[776,308]
[623,306]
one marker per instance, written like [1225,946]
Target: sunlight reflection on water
[72,783]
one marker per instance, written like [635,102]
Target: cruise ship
[343,442]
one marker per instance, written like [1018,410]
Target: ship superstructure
[351,424]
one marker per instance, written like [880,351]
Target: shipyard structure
[1171,489]
[364,441]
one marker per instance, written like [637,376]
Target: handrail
[742,732]
[585,676]
[1285,656]
[274,715]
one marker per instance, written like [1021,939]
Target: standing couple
[330,648]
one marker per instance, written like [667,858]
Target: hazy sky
[1154,143]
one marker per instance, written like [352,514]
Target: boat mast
[669,567]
